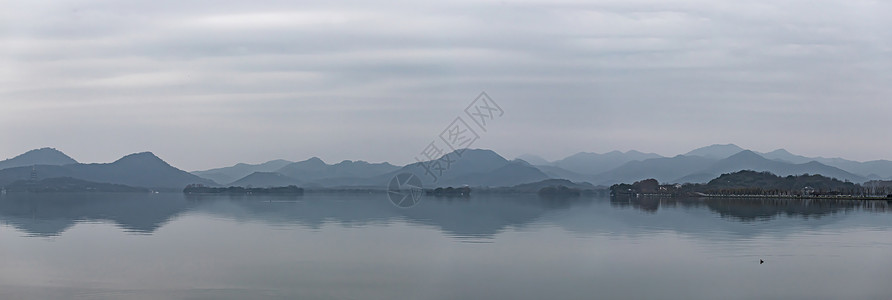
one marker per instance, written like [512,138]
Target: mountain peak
[146,154]
[534,159]
[314,160]
[141,158]
[43,151]
[780,151]
[521,161]
[42,156]
[716,151]
[478,154]
[747,154]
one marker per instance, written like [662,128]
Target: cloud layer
[209,83]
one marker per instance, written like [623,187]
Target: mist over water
[335,246]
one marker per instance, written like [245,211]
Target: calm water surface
[324,246]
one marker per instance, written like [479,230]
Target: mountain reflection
[763,209]
[754,209]
[47,214]
[478,217]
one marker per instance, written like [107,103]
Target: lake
[359,246]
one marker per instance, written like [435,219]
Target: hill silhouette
[42,156]
[265,179]
[138,170]
[229,174]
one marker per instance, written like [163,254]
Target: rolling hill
[138,170]
[594,163]
[716,151]
[233,173]
[265,179]
[475,167]
[749,160]
[42,156]
[314,169]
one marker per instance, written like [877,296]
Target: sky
[204,84]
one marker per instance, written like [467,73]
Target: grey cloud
[657,76]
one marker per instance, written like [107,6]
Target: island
[201,189]
[449,192]
[758,184]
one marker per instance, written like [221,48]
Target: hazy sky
[210,83]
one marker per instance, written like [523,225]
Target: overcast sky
[209,83]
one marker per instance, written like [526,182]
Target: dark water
[168,246]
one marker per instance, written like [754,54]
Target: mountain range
[138,170]
[702,164]
[472,167]
[240,170]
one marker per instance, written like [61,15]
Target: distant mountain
[534,160]
[749,160]
[233,173]
[716,151]
[784,155]
[316,173]
[534,187]
[265,179]
[139,170]
[510,174]
[594,163]
[315,169]
[666,169]
[876,169]
[475,161]
[42,156]
[475,167]
[559,173]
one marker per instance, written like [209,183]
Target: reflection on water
[480,217]
[355,246]
[755,209]
[51,214]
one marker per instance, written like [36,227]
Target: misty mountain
[315,169]
[664,169]
[786,156]
[716,151]
[139,170]
[876,169]
[314,172]
[475,167]
[749,160]
[559,173]
[265,179]
[536,186]
[594,163]
[42,156]
[233,173]
[534,160]
[513,173]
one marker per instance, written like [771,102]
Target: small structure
[808,191]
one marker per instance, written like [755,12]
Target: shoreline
[792,197]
